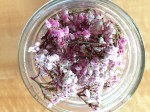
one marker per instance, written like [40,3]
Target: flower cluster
[80,53]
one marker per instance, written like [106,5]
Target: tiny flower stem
[89,43]
[89,104]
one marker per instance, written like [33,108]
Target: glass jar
[134,60]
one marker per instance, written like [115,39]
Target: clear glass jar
[135,58]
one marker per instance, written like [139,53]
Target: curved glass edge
[21,67]
[138,33]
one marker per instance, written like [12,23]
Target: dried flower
[34,48]
[86,34]
[87,93]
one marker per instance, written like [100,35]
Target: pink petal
[48,24]
[86,34]
[60,34]
[54,23]
[66,30]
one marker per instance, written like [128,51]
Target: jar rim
[36,15]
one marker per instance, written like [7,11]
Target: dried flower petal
[101,40]
[86,34]
[48,24]
[54,23]
[87,93]
[35,47]
[53,58]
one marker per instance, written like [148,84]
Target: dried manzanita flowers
[81,54]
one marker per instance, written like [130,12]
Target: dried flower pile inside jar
[81,53]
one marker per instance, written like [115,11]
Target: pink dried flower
[81,17]
[86,34]
[91,16]
[60,34]
[65,12]
[49,66]
[122,42]
[35,47]
[113,32]
[90,71]
[95,61]
[66,18]
[83,72]
[48,24]
[66,30]
[87,93]
[99,17]
[57,17]
[78,68]
[71,36]
[101,40]
[53,58]
[53,32]
[54,23]
[40,58]
[109,40]
[62,44]
[97,72]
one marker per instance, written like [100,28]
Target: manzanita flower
[53,58]
[86,34]
[48,24]
[91,16]
[35,47]
[66,30]
[101,40]
[54,23]
[87,93]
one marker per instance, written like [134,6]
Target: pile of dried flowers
[80,53]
